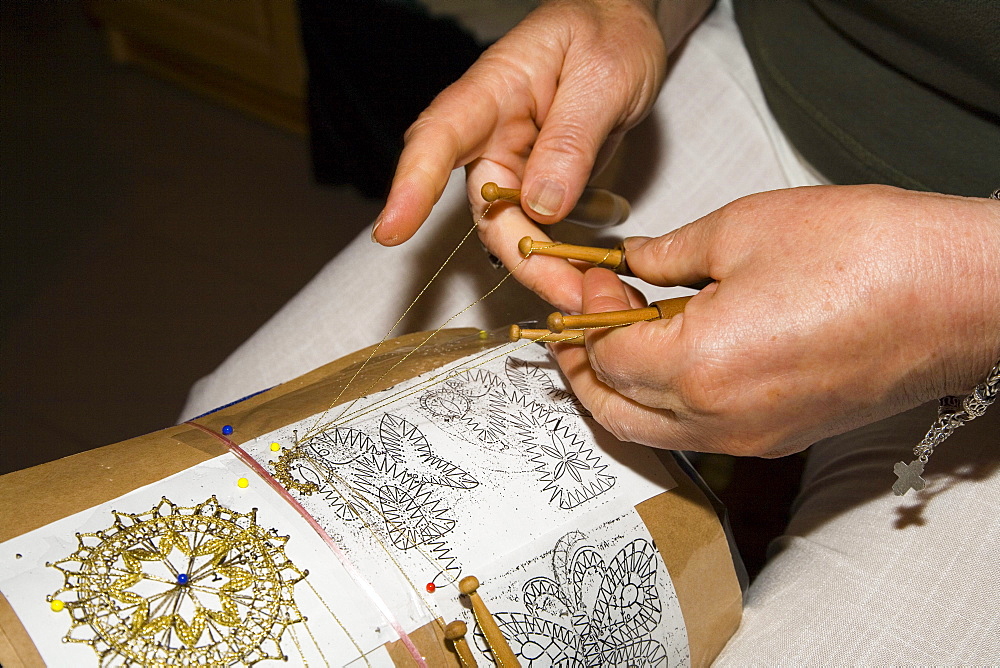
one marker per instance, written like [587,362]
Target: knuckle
[622,430]
[424,120]
[699,399]
[616,424]
[432,125]
[569,138]
[614,369]
[705,386]
[748,204]
[662,249]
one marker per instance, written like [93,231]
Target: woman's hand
[832,307]
[536,111]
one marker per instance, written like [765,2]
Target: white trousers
[861,576]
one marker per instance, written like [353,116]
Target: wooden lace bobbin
[455,632]
[660,310]
[518,333]
[491,192]
[609,258]
[502,653]
[596,207]
[614,259]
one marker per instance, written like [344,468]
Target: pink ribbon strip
[245,457]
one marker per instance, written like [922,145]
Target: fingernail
[635,243]
[546,197]
[378,221]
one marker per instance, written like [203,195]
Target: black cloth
[373,67]
[902,92]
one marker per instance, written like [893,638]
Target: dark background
[146,233]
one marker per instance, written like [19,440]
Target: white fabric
[862,576]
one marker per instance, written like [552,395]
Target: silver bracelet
[953,412]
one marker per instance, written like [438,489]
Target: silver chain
[953,412]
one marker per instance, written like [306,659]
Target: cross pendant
[909,477]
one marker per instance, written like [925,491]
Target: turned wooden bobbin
[455,632]
[502,653]
[663,309]
[491,192]
[610,258]
[518,333]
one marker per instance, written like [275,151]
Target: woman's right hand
[536,111]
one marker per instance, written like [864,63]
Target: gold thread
[407,310]
[283,469]
[284,475]
[432,334]
[385,548]
[302,655]
[313,431]
[354,642]
[213,541]
[422,385]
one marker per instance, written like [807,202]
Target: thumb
[604,291]
[681,257]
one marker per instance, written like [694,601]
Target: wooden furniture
[244,53]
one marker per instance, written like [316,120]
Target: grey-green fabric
[902,92]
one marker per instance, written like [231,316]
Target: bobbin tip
[490,191]
[524,246]
[555,322]
[468,585]
[456,630]
[515,333]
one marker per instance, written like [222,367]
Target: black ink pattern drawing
[534,383]
[527,417]
[592,612]
[396,488]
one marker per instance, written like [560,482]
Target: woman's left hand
[832,307]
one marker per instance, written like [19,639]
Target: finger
[621,399]
[491,105]
[682,257]
[621,356]
[565,152]
[553,279]
[556,280]
[604,291]
[434,146]
[627,420]
[607,151]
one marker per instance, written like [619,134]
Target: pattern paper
[598,595]
[131,563]
[446,475]
[438,475]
